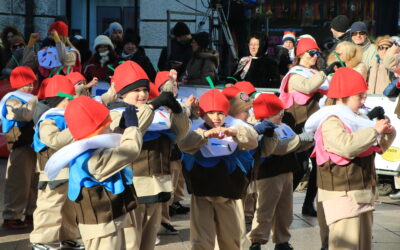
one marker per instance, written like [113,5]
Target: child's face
[137,96]
[214,119]
[277,118]
[27,88]
[355,102]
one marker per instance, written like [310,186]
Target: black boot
[309,210]
[283,246]
[255,246]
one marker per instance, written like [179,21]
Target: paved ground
[305,233]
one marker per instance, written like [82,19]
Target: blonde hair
[352,54]
[380,38]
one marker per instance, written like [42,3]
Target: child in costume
[345,146]
[17,108]
[100,183]
[54,217]
[216,163]
[161,127]
[274,175]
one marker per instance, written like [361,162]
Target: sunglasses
[383,47]
[312,53]
[19,45]
[361,33]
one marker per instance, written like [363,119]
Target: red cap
[161,78]
[245,87]
[128,73]
[59,84]
[153,92]
[42,88]
[21,76]
[266,105]
[213,100]
[305,44]
[84,116]
[60,27]
[75,77]
[346,82]
[231,92]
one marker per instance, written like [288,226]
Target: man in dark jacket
[180,51]
[132,51]
[340,28]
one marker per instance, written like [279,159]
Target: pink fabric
[398,84]
[289,97]
[323,156]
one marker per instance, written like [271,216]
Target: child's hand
[214,133]
[173,75]
[383,127]
[92,83]
[229,132]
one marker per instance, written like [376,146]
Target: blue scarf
[61,125]
[152,135]
[79,177]
[241,159]
[6,124]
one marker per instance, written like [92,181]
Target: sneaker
[38,246]
[14,224]
[158,240]
[283,246]
[71,244]
[179,208]
[167,229]
[171,211]
[309,210]
[255,246]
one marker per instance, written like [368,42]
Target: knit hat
[60,27]
[114,26]
[84,116]
[305,44]
[180,29]
[266,105]
[340,23]
[21,76]
[59,84]
[75,77]
[358,26]
[346,82]
[129,76]
[213,100]
[202,39]
[246,87]
[241,102]
[153,92]
[161,78]
[42,88]
[130,37]
[385,42]
[102,40]
[289,36]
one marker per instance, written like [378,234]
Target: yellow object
[56,37]
[392,154]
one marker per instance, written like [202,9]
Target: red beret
[266,105]
[231,92]
[75,77]
[305,44]
[60,27]
[59,84]
[21,76]
[128,73]
[245,87]
[346,82]
[213,100]
[161,78]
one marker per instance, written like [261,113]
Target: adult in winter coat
[180,51]
[6,36]
[204,62]
[285,52]
[345,146]
[340,28]
[132,51]
[101,63]
[351,55]
[380,76]
[258,68]
[359,37]
[22,55]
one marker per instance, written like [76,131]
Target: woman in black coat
[258,68]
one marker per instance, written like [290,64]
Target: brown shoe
[14,224]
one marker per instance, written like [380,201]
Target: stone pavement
[305,232]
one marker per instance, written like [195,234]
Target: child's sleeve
[180,125]
[17,111]
[246,138]
[52,136]
[193,141]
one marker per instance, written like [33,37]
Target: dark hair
[131,36]
[7,30]
[263,43]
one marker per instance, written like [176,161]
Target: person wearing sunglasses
[350,55]
[380,75]
[359,37]
[299,94]
[22,55]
